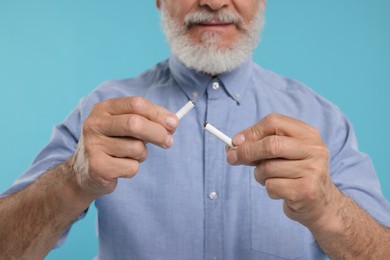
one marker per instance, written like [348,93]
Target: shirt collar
[194,83]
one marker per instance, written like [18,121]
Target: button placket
[213,174]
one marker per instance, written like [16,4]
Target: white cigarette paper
[185,109]
[221,136]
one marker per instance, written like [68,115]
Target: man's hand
[113,139]
[292,162]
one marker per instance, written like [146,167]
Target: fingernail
[232,157]
[171,121]
[239,139]
[169,141]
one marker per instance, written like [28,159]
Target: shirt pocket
[272,232]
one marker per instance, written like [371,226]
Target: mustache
[204,16]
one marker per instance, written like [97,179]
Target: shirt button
[213,195]
[215,85]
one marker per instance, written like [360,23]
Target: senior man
[295,185]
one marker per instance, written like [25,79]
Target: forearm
[32,220]
[348,232]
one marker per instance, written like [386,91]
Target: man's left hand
[291,161]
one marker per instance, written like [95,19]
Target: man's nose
[214,5]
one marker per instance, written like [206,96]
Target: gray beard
[208,57]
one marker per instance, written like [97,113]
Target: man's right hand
[113,138]
[111,146]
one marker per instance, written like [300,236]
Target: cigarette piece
[185,109]
[221,136]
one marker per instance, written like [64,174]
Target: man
[291,188]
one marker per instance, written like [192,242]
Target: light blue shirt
[187,202]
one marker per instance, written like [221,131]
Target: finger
[298,195]
[142,107]
[270,147]
[278,168]
[136,126]
[125,148]
[275,124]
[105,168]
[281,188]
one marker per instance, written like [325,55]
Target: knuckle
[134,123]
[133,168]
[105,107]
[100,106]
[267,167]
[87,126]
[157,114]
[272,120]
[271,190]
[254,133]
[138,146]
[273,146]
[91,123]
[136,103]
[144,155]
[140,150]
[246,154]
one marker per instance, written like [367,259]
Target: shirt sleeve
[354,174]
[61,146]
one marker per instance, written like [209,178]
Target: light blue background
[52,53]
